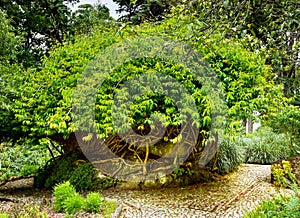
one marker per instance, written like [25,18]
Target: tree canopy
[45,106]
[275,24]
[42,22]
[10,73]
[138,11]
[87,17]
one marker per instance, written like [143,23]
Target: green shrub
[29,169]
[60,171]
[93,202]
[73,204]
[22,158]
[282,174]
[61,193]
[84,177]
[288,122]
[230,156]
[265,147]
[283,206]
[66,199]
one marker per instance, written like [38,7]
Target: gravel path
[232,196]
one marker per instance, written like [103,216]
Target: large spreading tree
[45,107]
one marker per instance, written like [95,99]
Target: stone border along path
[232,196]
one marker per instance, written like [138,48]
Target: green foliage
[22,158]
[50,112]
[265,147]
[244,75]
[282,175]
[60,171]
[29,169]
[138,11]
[50,20]
[265,21]
[178,172]
[4,215]
[87,17]
[10,75]
[287,121]
[45,107]
[283,206]
[147,105]
[61,193]
[244,92]
[109,207]
[83,177]
[81,174]
[295,88]
[93,202]
[73,204]
[230,156]
[9,42]
[66,199]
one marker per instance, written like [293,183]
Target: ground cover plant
[282,206]
[22,158]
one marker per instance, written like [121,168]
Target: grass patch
[108,208]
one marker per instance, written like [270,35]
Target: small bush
[230,156]
[66,199]
[265,147]
[60,171]
[61,193]
[282,174]
[74,204]
[84,177]
[29,169]
[93,202]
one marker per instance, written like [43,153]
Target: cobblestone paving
[232,196]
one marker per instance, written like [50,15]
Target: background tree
[44,23]
[10,75]
[138,11]
[87,17]
[275,24]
